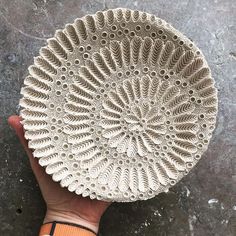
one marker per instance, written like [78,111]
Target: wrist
[70,217]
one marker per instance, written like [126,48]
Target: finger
[14,122]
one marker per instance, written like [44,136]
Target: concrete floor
[204,202]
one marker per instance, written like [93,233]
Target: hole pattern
[118,118]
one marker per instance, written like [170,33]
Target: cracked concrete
[204,202]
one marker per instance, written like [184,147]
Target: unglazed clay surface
[119,106]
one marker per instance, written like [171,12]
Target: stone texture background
[204,202]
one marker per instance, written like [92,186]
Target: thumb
[15,122]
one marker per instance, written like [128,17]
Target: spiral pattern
[119,106]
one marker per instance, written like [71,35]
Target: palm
[57,198]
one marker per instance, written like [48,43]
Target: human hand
[62,205]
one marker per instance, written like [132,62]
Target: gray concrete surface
[204,202]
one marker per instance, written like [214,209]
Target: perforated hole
[162,72]
[167,113]
[64,86]
[123,24]
[141,195]
[164,37]
[64,69]
[170,143]
[71,72]
[153,73]
[63,155]
[126,31]
[94,37]
[89,47]
[75,165]
[58,93]
[150,192]
[119,32]
[147,27]
[140,165]
[103,42]
[145,159]
[138,28]
[201,135]
[153,35]
[58,109]
[167,136]
[199,146]
[70,156]
[58,82]
[189,165]
[114,27]
[112,36]
[81,49]
[119,74]
[86,55]
[127,73]
[132,34]
[132,197]
[201,116]
[175,37]
[177,82]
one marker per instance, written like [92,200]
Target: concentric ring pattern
[119,106]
